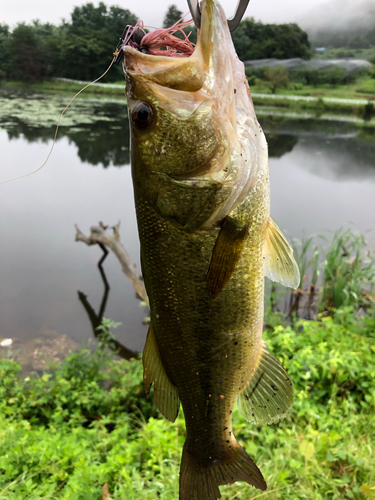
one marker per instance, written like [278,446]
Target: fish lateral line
[58,124]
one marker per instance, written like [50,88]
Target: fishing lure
[160,42]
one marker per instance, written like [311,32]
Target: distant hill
[341,23]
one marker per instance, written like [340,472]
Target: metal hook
[233,22]
[195,12]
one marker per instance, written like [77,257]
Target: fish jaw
[207,99]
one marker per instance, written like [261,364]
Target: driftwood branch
[99,235]
[96,318]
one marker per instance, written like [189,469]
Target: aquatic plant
[341,275]
[301,253]
[349,272]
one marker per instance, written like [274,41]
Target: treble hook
[233,22]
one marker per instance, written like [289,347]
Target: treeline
[255,40]
[82,48]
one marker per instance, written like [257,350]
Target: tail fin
[200,481]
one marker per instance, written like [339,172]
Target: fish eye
[142,115]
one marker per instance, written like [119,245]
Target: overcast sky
[150,11]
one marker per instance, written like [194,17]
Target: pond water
[322,178]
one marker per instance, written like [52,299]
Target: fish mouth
[182,73]
[176,73]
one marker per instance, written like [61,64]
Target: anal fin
[279,262]
[165,393]
[269,393]
[225,256]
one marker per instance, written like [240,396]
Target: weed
[349,272]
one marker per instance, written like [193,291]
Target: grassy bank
[344,52]
[87,424]
[358,92]
[363,88]
[316,107]
[61,86]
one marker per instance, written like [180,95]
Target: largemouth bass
[201,183]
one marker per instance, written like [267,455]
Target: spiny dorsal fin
[165,393]
[225,256]
[269,393]
[279,262]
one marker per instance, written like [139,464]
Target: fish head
[192,119]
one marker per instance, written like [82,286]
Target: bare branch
[101,236]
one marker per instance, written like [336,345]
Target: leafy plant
[105,336]
[86,388]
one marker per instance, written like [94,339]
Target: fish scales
[201,184]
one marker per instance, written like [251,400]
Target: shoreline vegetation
[83,428]
[341,99]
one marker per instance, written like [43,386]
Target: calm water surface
[322,177]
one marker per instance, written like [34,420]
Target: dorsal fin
[165,393]
[279,262]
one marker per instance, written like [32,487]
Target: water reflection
[280,144]
[97,317]
[332,150]
[98,128]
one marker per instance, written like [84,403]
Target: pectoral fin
[279,262]
[269,394]
[225,256]
[165,393]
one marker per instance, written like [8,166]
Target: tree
[88,17]
[29,54]
[172,15]
[276,77]
[255,40]
[83,48]
[5,51]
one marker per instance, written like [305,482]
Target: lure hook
[130,33]
[233,22]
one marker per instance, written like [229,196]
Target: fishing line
[58,123]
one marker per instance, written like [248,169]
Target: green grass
[59,86]
[368,54]
[87,422]
[362,88]
[367,87]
